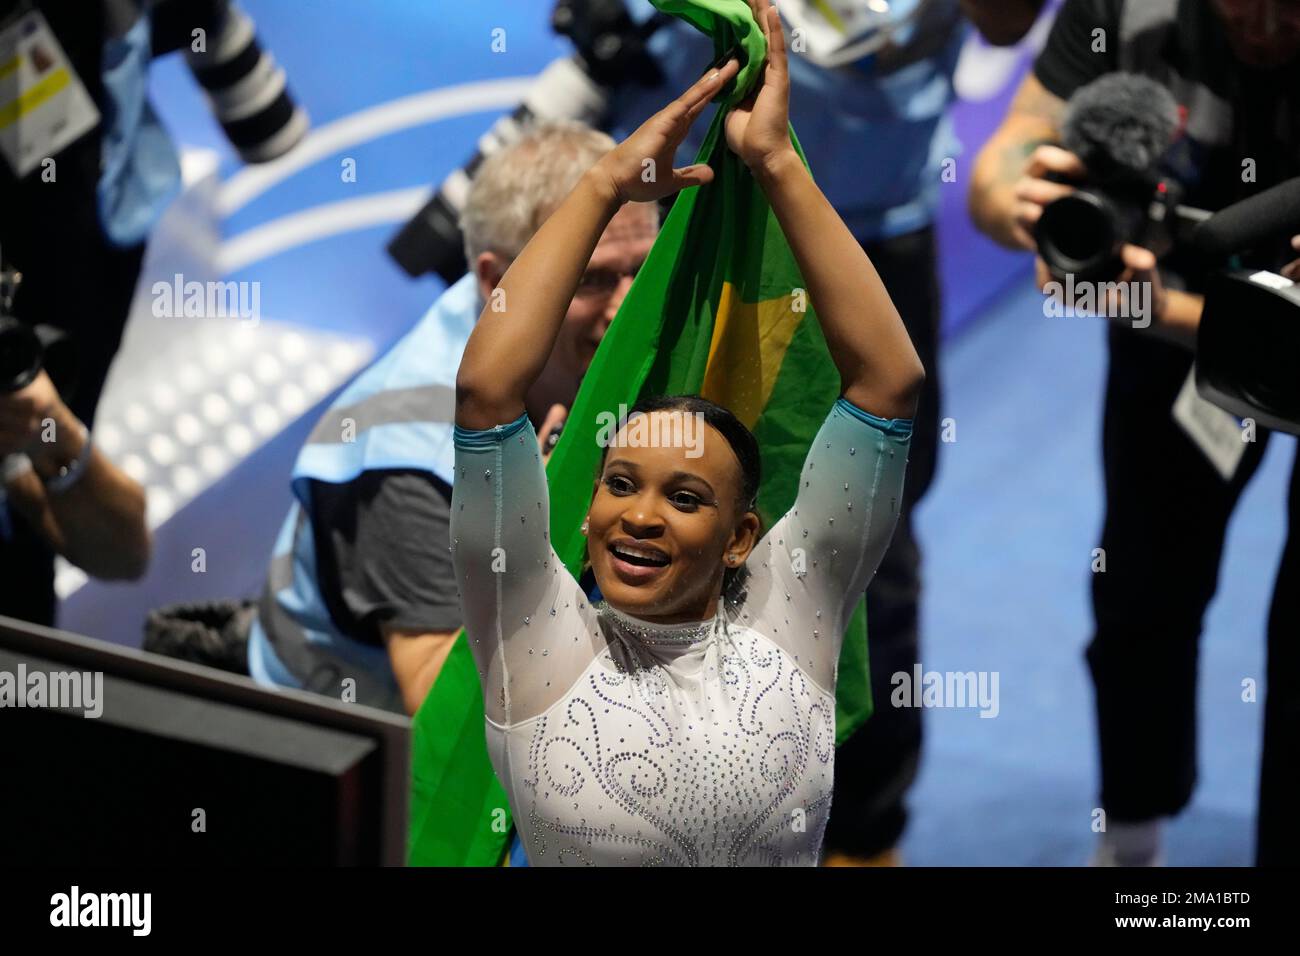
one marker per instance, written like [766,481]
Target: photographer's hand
[22,414]
[1173,316]
[1005,199]
[1139,266]
[1292,269]
[99,522]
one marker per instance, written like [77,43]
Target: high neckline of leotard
[651,632]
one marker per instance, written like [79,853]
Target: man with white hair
[361,600]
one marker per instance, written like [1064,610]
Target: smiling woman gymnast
[689,718]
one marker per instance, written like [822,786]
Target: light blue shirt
[875,142]
[425,360]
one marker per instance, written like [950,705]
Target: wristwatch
[70,472]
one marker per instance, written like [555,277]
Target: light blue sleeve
[810,569]
[530,627]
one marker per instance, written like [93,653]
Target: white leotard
[621,742]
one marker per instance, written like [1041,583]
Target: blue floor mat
[1008,529]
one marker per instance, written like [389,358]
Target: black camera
[1083,233]
[1248,347]
[26,349]
[1248,340]
[1120,126]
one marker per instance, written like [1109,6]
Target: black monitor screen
[113,756]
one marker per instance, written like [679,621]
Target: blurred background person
[77,199]
[87,170]
[1233,67]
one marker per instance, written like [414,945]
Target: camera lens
[247,89]
[1079,234]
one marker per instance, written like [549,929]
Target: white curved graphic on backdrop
[318,222]
[403,113]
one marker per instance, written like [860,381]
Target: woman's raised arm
[515,333]
[880,371]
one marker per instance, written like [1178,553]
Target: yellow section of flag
[749,343]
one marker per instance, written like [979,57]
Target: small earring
[584,527]
[731,558]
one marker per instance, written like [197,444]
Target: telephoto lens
[246,88]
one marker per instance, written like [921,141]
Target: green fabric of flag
[718,309]
[459,815]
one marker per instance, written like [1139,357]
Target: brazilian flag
[719,310]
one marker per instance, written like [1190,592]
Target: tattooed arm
[1008,191]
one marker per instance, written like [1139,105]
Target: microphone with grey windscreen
[1120,126]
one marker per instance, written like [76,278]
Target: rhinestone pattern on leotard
[707,751]
[620,741]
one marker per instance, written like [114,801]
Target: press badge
[1217,433]
[43,104]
